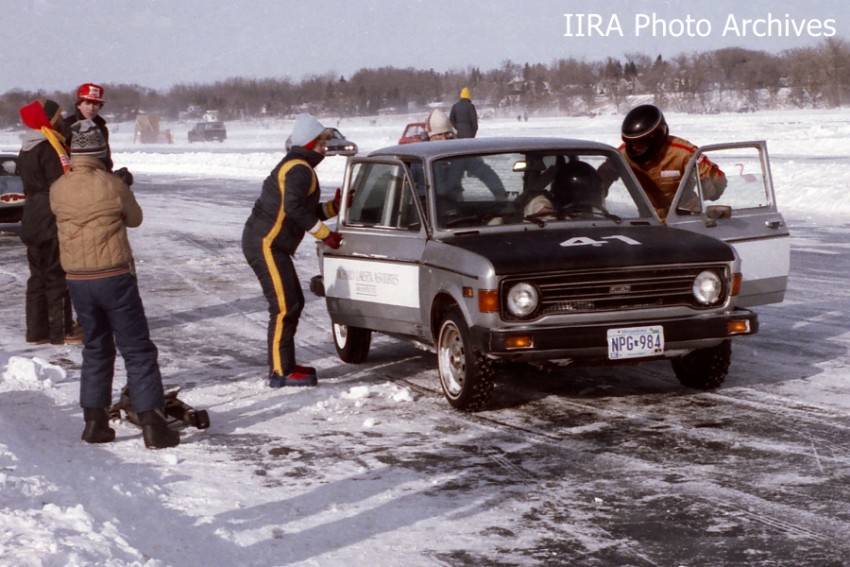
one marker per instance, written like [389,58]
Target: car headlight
[707,287]
[522,299]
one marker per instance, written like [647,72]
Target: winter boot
[300,376]
[97,428]
[38,332]
[156,432]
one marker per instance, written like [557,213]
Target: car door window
[383,197]
[743,186]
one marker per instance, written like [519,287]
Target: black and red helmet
[644,132]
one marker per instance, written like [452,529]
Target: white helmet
[438,123]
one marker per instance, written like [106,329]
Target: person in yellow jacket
[658,159]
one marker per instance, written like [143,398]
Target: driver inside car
[577,187]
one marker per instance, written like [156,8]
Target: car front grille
[613,290]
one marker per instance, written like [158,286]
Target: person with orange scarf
[42,160]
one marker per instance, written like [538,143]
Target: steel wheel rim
[452,359]
[340,335]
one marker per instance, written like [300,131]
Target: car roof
[431,150]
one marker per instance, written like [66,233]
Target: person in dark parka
[90,100]
[463,116]
[42,160]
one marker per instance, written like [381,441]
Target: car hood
[591,248]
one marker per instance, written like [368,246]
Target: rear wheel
[704,369]
[352,343]
[466,377]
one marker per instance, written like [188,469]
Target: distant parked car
[413,132]
[337,144]
[207,132]
[11,190]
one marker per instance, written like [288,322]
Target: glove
[124,175]
[337,199]
[334,239]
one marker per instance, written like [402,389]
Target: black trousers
[48,303]
[279,281]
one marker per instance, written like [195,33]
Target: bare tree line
[723,80]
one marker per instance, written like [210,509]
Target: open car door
[372,281]
[743,214]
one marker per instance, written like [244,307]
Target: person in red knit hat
[44,159]
[90,100]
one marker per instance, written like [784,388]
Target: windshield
[532,189]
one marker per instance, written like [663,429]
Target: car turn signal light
[736,283]
[488,301]
[518,341]
[737,326]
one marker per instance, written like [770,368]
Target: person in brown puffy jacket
[93,209]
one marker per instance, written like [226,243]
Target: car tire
[466,377]
[352,343]
[704,369]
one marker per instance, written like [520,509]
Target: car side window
[744,185]
[726,177]
[383,197]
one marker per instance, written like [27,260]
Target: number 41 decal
[587,241]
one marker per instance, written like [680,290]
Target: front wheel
[706,368]
[352,343]
[466,377]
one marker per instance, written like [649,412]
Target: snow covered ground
[589,466]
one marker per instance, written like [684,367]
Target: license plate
[635,342]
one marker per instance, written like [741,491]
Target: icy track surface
[597,466]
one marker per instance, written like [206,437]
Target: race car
[499,250]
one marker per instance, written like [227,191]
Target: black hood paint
[541,250]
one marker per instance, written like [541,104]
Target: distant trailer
[147,131]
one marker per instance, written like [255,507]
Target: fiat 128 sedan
[514,249]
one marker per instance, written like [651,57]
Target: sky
[56,45]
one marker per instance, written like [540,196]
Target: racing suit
[661,175]
[289,205]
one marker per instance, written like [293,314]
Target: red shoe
[305,369]
[294,378]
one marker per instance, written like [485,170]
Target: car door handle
[774,224]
